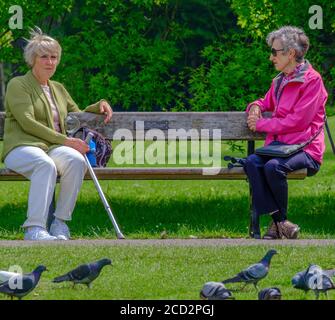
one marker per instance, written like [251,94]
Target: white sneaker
[60,230]
[37,233]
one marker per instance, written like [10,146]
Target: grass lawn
[144,209]
[156,272]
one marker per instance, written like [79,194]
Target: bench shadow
[219,217]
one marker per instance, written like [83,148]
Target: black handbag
[278,149]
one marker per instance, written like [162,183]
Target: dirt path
[171,242]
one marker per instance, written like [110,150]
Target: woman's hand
[77,144]
[252,120]
[106,109]
[253,116]
[255,110]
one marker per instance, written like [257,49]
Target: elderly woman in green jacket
[35,141]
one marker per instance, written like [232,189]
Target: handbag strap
[303,145]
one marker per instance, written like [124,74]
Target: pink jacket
[299,112]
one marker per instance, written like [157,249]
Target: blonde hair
[40,44]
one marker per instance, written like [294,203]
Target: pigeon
[316,279]
[5,275]
[85,273]
[23,284]
[272,293]
[215,291]
[255,272]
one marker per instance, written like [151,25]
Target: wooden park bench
[220,126]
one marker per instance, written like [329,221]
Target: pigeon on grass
[22,284]
[316,279]
[270,294]
[255,272]
[6,275]
[215,291]
[85,273]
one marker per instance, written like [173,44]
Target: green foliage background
[201,55]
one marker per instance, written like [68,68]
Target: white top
[54,109]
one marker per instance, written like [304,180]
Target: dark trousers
[267,177]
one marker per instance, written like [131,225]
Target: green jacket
[29,121]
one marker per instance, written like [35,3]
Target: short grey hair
[291,38]
[40,44]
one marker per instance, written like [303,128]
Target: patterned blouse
[287,78]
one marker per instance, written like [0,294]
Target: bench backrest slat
[183,125]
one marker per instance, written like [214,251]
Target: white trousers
[41,169]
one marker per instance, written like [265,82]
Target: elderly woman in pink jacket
[297,99]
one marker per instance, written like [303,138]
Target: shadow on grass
[218,217]
[173,216]
[201,217]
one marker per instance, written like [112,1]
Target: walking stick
[74,122]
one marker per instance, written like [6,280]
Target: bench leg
[254,230]
[51,216]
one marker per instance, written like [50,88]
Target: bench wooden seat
[157,174]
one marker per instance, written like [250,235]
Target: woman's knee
[47,166]
[77,162]
[253,160]
[272,168]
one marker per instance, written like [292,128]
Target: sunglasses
[274,51]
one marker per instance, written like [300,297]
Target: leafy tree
[257,18]
[166,54]
[232,76]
